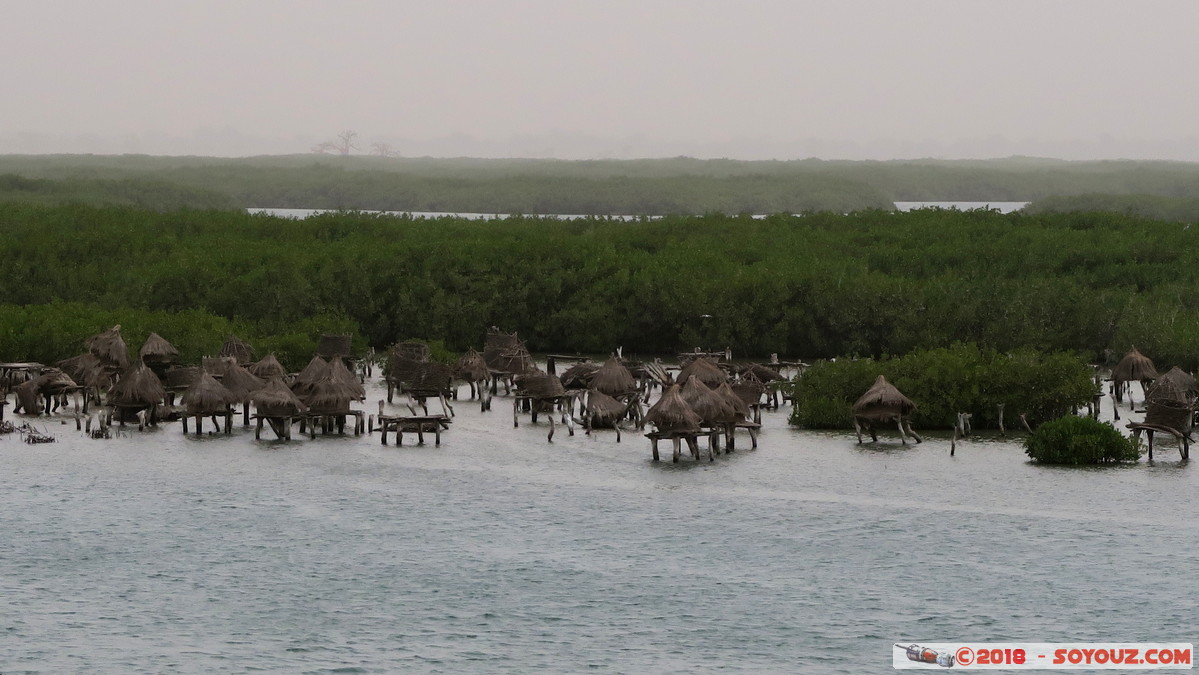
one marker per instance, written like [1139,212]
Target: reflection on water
[500,552]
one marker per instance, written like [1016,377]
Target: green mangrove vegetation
[944,382]
[1075,440]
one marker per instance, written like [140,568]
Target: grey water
[499,551]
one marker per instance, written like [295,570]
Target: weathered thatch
[604,407]
[471,367]
[54,382]
[138,386]
[614,379]
[711,407]
[579,375]
[241,382]
[110,348]
[238,349]
[340,374]
[740,408]
[671,413]
[430,377]
[80,368]
[27,396]
[749,391]
[1134,367]
[1181,383]
[157,351]
[328,397]
[316,369]
[761,373]
[1167,391]
[219,365]
[506,353]
[274,399]
[340,344]
[208,397]
[181,377]
[267,368]
[705,370]
[882,402]
[540,385]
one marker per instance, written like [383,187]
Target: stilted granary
[278,406]
[884,404]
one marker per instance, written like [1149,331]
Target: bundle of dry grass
[208,397]
[614,379]
[156,351]
[540,385]
[109,347]
[312,373]
[672,414]
[705,370]
[240,350]
[267,368]
[882,402]
[275,399]
[138,387]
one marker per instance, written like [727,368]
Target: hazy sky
[749,79]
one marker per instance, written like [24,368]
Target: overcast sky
[749,79]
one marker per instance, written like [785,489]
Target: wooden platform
[412,424]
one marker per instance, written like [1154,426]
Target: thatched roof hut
[329,397]
[578,375]
[705,370]
[339,344]
[109,347]
[506,352]
[604,407]
[614,379]
[430,376]
[471,367]
[340,374]
[156,351]
[711,407]
[54,382]
[241,383]
[138,386]
[238,349]
[540,385]
[275,399]
[1180,383]
[761,373]
[1134,367]
[882,402]
[80,368]
[740,407]
[671,413]
[749,391]
[208,397]
[312,373]
[267,368]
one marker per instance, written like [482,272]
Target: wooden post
[258,430]
[1002,431]
[677,449]
[654,446]
[184,424]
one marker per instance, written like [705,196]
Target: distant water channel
[1003,207]
[500,552]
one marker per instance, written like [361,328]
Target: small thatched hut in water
[157,353]
[614,379]
[328,402]
[138,389]
[49,385]
[278,405]
[601,411]
[884,404]
[1169,408]
[208,398]
[705,371]
[340,374]
[578,375]
[241,383]
[240,350]
[472,369]
[673,418]
[110,348]
[506,356]
[307,378]
[267,368]
[1134,367]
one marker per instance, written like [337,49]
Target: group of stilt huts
[1169,399]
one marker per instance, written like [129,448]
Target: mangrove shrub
[1080,440]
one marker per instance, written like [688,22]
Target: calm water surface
[500,552]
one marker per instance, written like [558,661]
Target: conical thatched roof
[540,385]
[274,399]
[238,349]
[1134,367]
[207,396]
[740,408]
[110,348]
[80,368]
[138,386]
[241,383]
[316,369]
[614,379]
[604,407]
[705,370]
[1182,379]
[882,401]
[711,407]
[1166,390]
[671,412]
[579,375]
[340,374]
[268,367]
[328,396]
[156,350]
[471,366]
[54,382]
[761,373]
[749,391]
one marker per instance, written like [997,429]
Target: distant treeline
[1156,207]
[871,283]
[598,187]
